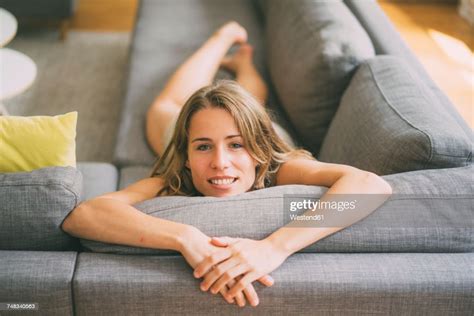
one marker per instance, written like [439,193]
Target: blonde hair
[260,139]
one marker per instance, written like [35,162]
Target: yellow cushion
[28,143]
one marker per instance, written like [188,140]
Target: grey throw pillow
[390,121]
[313,48]
[430,211]
[33,206]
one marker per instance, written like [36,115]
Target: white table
[17,71]
[8,27]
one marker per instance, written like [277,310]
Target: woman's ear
[187,165]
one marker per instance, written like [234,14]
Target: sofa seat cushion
[40,277]
[389,122]
[34,205]
[313,49]
[98,178]
[430,211]
[335,284]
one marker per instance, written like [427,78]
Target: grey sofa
[345,86]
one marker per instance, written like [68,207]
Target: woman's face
[220,164]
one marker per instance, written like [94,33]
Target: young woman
[217,140]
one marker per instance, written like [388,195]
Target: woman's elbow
[377,184]
[73,221]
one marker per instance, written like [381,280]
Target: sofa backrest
[313,48]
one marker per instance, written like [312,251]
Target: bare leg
[196,72]
[246,74]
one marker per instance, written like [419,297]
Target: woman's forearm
[291,239]
[111,221]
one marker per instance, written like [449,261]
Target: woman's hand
[250,258]
[196,246]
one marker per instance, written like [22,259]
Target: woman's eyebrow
[208,139]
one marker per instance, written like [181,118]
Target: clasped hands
[230,265]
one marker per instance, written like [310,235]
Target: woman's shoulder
[295,170]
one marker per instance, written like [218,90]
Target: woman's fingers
[223,241]
[251,295]
[206,265]
[224,291]
[230,274]
[242,284]
[213,275]
[239,298]
[267,280]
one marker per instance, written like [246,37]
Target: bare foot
[241,58]
[233,31]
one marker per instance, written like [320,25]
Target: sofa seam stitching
[401,116]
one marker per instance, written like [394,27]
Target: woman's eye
[236,145]
[203,147]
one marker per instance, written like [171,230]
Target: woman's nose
[220,159]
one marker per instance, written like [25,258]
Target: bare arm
[111,218]
[340,179]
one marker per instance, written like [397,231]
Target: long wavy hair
[260,139]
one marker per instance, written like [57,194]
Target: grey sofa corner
[413,256]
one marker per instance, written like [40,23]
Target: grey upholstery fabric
[157,53]
[38,277]
[313,48]
[129,175]
[389,121]
[33,206]
[98,178]
[431,211]
[305,284]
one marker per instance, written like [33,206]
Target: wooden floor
[444,43]
[441,39]
[105,15]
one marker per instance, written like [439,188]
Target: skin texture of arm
[111,218]
[252,258]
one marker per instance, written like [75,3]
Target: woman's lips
[222,183]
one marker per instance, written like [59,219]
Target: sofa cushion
[130,175]
[98,178]
[313,48]
[331,284]
[40,277]
[389,121]
[33,206]
[430,211]
[29,143]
